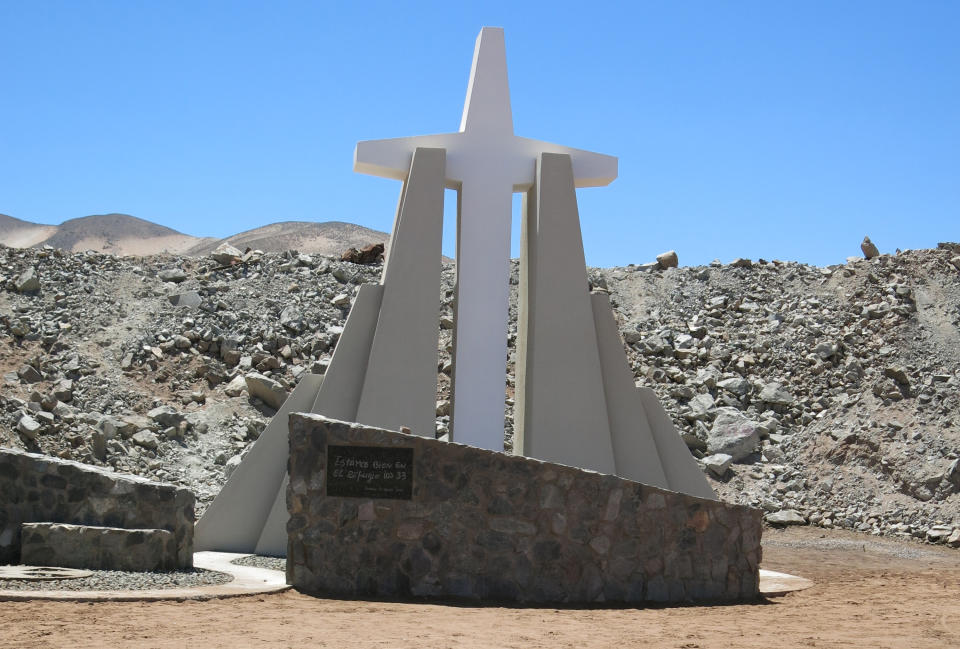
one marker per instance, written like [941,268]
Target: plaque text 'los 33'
[370,472]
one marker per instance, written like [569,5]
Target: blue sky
[781,130]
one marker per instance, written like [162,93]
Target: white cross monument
[486,163]
[576,402]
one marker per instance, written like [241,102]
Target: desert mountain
[122,234]
[328,238]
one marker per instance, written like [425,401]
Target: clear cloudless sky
[782,130]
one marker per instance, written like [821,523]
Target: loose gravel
[258,561]
[118,580]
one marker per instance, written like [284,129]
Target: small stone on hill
[266,389]
[146,439]
[668,259]
[869,249]
[174,275]
[188,299]
[786,517]
[733,433]
[718,463]
[28,281]
[28,426]
[226,255]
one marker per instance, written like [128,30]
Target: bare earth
[869,593]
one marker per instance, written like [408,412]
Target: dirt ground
[867,593]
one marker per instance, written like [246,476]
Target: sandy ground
[868,593]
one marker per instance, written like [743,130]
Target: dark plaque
[370,472]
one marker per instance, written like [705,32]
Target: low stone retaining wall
[379,513]
[38,488]
[97,548]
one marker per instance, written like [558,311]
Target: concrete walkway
[246,581]
[774,584]
[253,581]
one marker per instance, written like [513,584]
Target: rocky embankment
[826,396]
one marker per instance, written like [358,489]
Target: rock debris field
[825,396]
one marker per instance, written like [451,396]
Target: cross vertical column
[481,311]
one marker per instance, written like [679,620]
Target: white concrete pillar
[481,311]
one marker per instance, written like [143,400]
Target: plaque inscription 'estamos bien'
[370,472]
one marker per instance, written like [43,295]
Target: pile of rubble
[828,396]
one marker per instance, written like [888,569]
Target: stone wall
[42,489]
[485,525]
[97,548]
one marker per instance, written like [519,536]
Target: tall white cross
[486,163]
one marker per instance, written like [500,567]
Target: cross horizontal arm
[390,158]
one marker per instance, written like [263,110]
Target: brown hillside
[329,238]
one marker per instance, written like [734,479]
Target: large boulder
[226,255]
[174,275]
[785,517]
[266,389]
[28,282]
[776,394]
[668,259]
[733,433]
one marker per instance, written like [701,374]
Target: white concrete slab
[247,580]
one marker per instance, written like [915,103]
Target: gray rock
[266,389]
[29,374]
[166,416]
[785,517]
[740,262]
[342,300]
[174,275]
[700,406]
[63,390]
[953,472]
[28,426]
[231,465]
[292,319]
[737,385]
[898,374]
[226,255]
[236,386]
[954,539]
[869,250]
[668,259]
[190,299]
[733,433]
[718,464]
[28,282]
[775,394]
[146,439]
[98,443]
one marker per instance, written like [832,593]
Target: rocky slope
[835,391]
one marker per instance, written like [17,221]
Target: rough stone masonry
[425,518]
[39,489]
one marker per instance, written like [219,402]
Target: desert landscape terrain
[867,592]
[847,378]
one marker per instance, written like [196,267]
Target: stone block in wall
[38,488]
[375,513]
[97,548]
